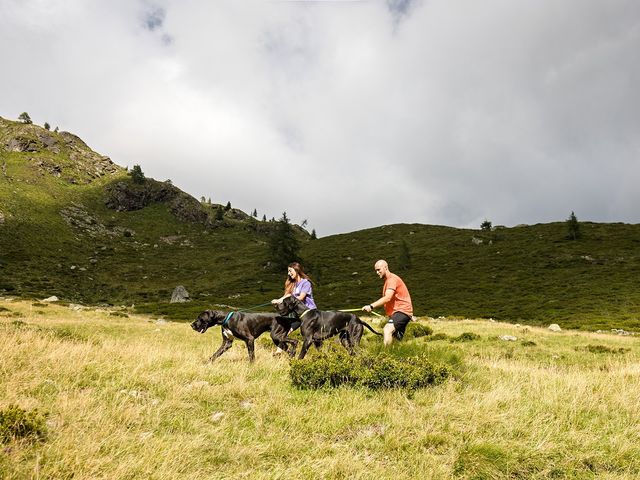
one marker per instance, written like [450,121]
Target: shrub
[417,330]
[381,371]
[16,423]
[465,337]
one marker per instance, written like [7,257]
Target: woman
[299,285]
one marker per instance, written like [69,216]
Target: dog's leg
[305,346]
[251,348]
[294,346]
[226,345]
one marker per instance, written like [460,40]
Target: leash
[360,310]
[230,314]
[253,308]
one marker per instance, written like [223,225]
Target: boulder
[51,299]
[180,294]
[554,327]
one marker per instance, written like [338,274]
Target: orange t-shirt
[401,300]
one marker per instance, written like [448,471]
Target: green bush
[335,368]
[417,330]
[17,423]
[465,337]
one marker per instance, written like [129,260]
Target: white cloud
[350,114]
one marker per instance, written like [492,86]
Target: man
[396,301]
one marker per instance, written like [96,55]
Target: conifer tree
[573,227]
[404,257]
[137,175]
[25,118]
[283,245]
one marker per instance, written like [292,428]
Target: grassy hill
[73,224]
[116,397]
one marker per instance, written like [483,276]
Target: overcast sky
[351,114]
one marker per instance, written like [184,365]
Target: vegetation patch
[465,337]
[438,336]
[119,314]
[528,343]
[417,330]
[602,349]
[380,371]
[17,423]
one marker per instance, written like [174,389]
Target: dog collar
[226,320]
[305,312]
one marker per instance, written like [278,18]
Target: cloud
[350,114]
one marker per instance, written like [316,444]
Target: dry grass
[133,398]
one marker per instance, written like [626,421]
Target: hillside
[74,225]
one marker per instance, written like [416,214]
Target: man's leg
[387,331]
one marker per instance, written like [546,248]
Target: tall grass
[134,398]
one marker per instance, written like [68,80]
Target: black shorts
[399,321]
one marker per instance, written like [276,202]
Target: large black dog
[246,327]
[318,325]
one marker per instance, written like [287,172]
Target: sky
[348,114]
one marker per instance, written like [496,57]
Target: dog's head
[208,318]
[290,305]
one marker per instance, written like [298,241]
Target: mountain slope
[73,224]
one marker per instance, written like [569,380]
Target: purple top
[304,286]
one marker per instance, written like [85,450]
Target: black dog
[318,325]
[246,327]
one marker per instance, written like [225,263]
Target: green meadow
[114,394]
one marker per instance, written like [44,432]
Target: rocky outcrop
[126,197]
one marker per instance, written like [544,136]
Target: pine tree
[219,214]
[228,207]
[264,217]
[283,245]
[486,225]
[313,234]
[255,213]
[137,175]
[404,257]
[47,126]
[573,227]
[25,118]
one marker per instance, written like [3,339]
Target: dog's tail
[368,326]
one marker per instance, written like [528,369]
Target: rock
[554,327]
[476,241]
[217,416]
[508,338]
[53,298]
[179,295]
[619,331]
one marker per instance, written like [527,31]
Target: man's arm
[388,295]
